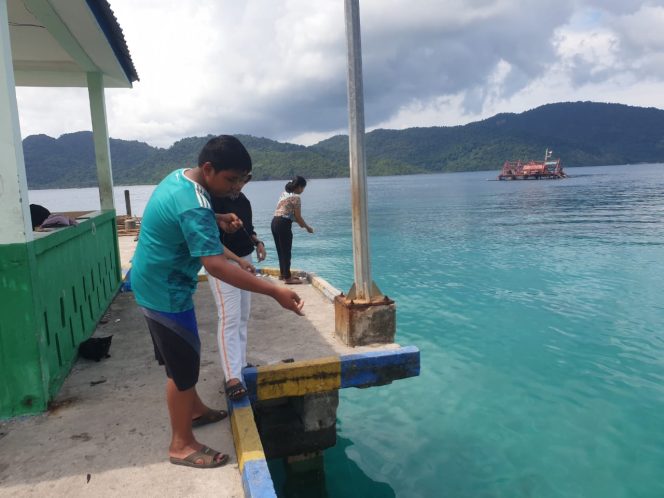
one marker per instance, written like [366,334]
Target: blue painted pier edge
[379,368]
[301,378]
[256,478]
[331,373]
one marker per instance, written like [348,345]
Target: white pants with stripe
[233,308]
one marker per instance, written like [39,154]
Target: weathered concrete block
[304,424]
[317,411]
[361,323]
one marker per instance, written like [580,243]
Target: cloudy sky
[277,68]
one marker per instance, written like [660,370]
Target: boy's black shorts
[176,345]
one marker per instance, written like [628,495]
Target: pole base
[361,323]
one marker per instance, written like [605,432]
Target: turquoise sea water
[538,307]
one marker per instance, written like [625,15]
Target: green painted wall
[53,292]
[22,386]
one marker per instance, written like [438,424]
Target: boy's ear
[207,168]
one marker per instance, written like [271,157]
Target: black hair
[225,152]
[296,182]
[38,214]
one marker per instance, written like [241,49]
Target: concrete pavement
[107,432]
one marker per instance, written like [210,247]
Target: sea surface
[538,307]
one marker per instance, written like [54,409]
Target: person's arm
[248,220]
[244,264]
[249,227]
[219,267]
[261,253]
[260,246]
[300,221]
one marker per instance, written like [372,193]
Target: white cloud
[589,55]
[277,68]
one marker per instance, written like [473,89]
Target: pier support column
[358,323]
[305,463]
[297,425]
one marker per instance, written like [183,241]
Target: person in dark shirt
[233,304]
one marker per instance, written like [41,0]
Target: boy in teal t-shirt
[178,227]
[179,234]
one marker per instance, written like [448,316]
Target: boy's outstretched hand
[228,222]
[289,299]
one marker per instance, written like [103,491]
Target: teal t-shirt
[178,227]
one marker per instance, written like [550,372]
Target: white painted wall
[15,224]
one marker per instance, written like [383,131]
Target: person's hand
[260,251]
[247,266]
[309,229]
[229,222]
[288,299]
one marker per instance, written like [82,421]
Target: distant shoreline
[497,170]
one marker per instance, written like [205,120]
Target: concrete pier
[107,432]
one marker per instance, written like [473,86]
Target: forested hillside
[580,133]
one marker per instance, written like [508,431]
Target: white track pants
[233,308]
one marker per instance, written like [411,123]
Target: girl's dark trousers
[283,239]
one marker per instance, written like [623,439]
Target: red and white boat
[533,170]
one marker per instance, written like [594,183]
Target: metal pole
[358,178]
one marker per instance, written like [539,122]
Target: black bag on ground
[95,348]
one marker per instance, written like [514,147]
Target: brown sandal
[201,459]
[210,417]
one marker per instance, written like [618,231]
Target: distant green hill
[69,161]
[580,133]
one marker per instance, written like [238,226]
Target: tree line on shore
[580,133]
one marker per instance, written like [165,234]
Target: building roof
[57,42]
[111,28]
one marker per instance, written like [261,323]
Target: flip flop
[236,391]
[206,455]
[210,417]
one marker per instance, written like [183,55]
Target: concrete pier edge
[319,283]
[300,378]
[256,478]
[331,373]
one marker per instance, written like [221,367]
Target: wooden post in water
[127,203]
